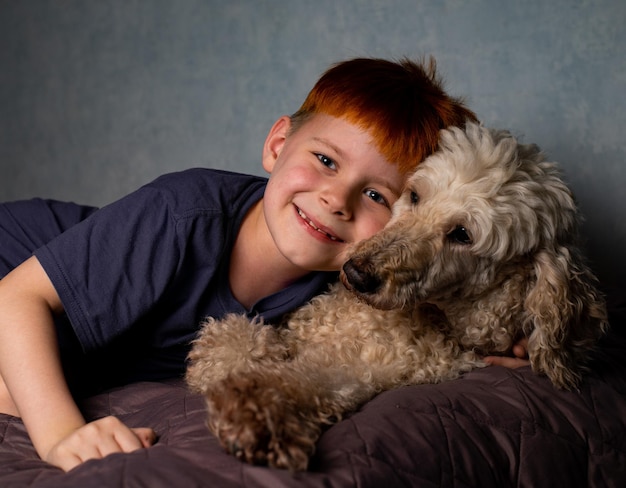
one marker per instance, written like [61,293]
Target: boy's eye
[376,197]
[326,161]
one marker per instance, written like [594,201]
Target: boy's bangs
[402,105]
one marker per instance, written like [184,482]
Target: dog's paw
[260,423]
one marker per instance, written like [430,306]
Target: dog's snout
[360,277]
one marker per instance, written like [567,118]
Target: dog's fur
[480,251]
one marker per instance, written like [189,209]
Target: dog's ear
[567,314]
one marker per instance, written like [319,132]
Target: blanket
[494,427]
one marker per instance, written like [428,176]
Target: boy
[122,289]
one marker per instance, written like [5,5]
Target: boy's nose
[337,202]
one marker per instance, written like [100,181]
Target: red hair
[402,104]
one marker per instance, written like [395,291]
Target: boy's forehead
[340,132]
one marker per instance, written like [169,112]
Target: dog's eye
[460,235]
[414,198]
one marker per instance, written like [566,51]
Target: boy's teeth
[311,224]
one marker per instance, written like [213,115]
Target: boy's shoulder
[206,188]
[204,178]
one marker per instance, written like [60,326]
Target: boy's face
[329,188]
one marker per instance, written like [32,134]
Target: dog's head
[481,210]
[479,205]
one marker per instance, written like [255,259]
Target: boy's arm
[31,369]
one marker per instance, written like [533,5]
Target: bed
[494,427]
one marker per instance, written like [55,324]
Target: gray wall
[99,97]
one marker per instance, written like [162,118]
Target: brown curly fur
[479,252]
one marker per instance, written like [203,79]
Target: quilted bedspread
[494,427]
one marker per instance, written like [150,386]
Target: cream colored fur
[480,251]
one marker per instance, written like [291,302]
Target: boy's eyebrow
[331,145]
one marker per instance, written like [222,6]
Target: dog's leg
[233,345]
[275,416]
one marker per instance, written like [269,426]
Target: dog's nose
[360,278]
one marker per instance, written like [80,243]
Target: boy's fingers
[507,362]
[116,436]
[132,439]
[519,359]
[99,439]
[520,349]
[146,436]
[67,455]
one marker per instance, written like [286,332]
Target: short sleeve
[111,268]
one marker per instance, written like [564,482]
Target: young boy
[111,296]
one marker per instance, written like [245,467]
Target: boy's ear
[275,141]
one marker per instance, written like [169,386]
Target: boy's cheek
[372,226]
[294,180]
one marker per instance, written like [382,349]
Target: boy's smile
[329,187]
[319,232]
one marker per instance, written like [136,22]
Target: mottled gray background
[99,97]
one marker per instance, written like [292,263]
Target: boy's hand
[96,440]
[519,359]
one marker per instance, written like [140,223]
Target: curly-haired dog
[479,252]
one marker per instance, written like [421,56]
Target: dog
[480,251]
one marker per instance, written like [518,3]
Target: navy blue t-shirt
[137,276]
